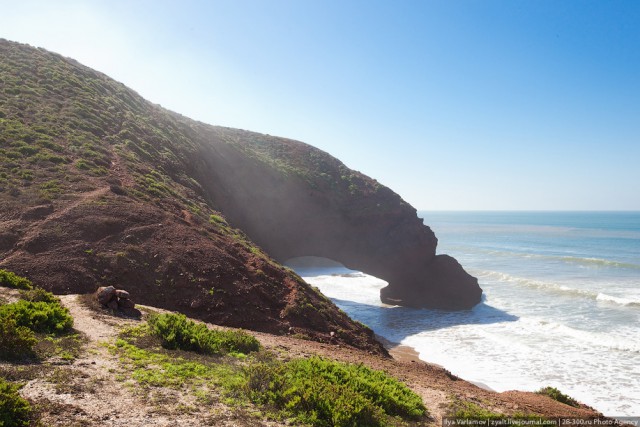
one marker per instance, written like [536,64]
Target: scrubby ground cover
[14,410]
[35,327]
[559,396]
[12,280]
[232,366]
[170,370]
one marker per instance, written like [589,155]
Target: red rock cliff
[295,200]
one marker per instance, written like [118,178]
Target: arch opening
[352,290]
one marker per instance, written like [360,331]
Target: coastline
[408,354]
[400,352]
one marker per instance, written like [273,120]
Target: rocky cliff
[99,187]
[295,200]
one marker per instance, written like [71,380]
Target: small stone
[122,294]
[333,334]
[105,294]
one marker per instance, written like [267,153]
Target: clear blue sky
[453,104]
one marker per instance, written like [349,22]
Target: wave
[617,300]
[556,288]
[593,339]
[585,261]
[597,261]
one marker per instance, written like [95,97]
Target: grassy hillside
[99,187]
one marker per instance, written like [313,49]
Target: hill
[100,187]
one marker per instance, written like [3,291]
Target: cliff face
[98,187]
[295,200]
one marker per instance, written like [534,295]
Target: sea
[561,304]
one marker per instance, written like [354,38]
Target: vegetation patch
[16,342]
[154,368]
[37,326]
[557,395]
[66,347]
[315,391]
[323,392]
[12,280]
[177,332]
[14,410]
[39,316]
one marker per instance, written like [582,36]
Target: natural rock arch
[290,214]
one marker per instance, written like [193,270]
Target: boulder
[122,294]
[105,294]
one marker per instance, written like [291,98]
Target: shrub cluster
[14,410]
[323,392]
[177,332]
[314,391]
[39,295]
[12,280]
[559,396]
[39,316]
[36,311]
[16,342]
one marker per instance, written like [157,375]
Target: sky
[454,104]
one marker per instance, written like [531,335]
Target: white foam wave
[598,262]
[583,261]
[531,283]
[617,300]
[556,288]
[590,338]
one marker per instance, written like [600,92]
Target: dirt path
[91,391]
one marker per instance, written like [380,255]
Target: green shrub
[16,342]
[557,395]
[327,393]
[12,280]
[39,294]
[217,219]
[39,316]
[177,332]
[14,410]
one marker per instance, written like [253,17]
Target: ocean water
[561,304]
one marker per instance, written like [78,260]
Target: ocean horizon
[561,303]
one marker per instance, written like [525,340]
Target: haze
[456,105]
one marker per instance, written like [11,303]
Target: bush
[12,280]
[39,316]
[16,342]
[177,332]
[328,393]
[14,410]
[557,395]
[39,295]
